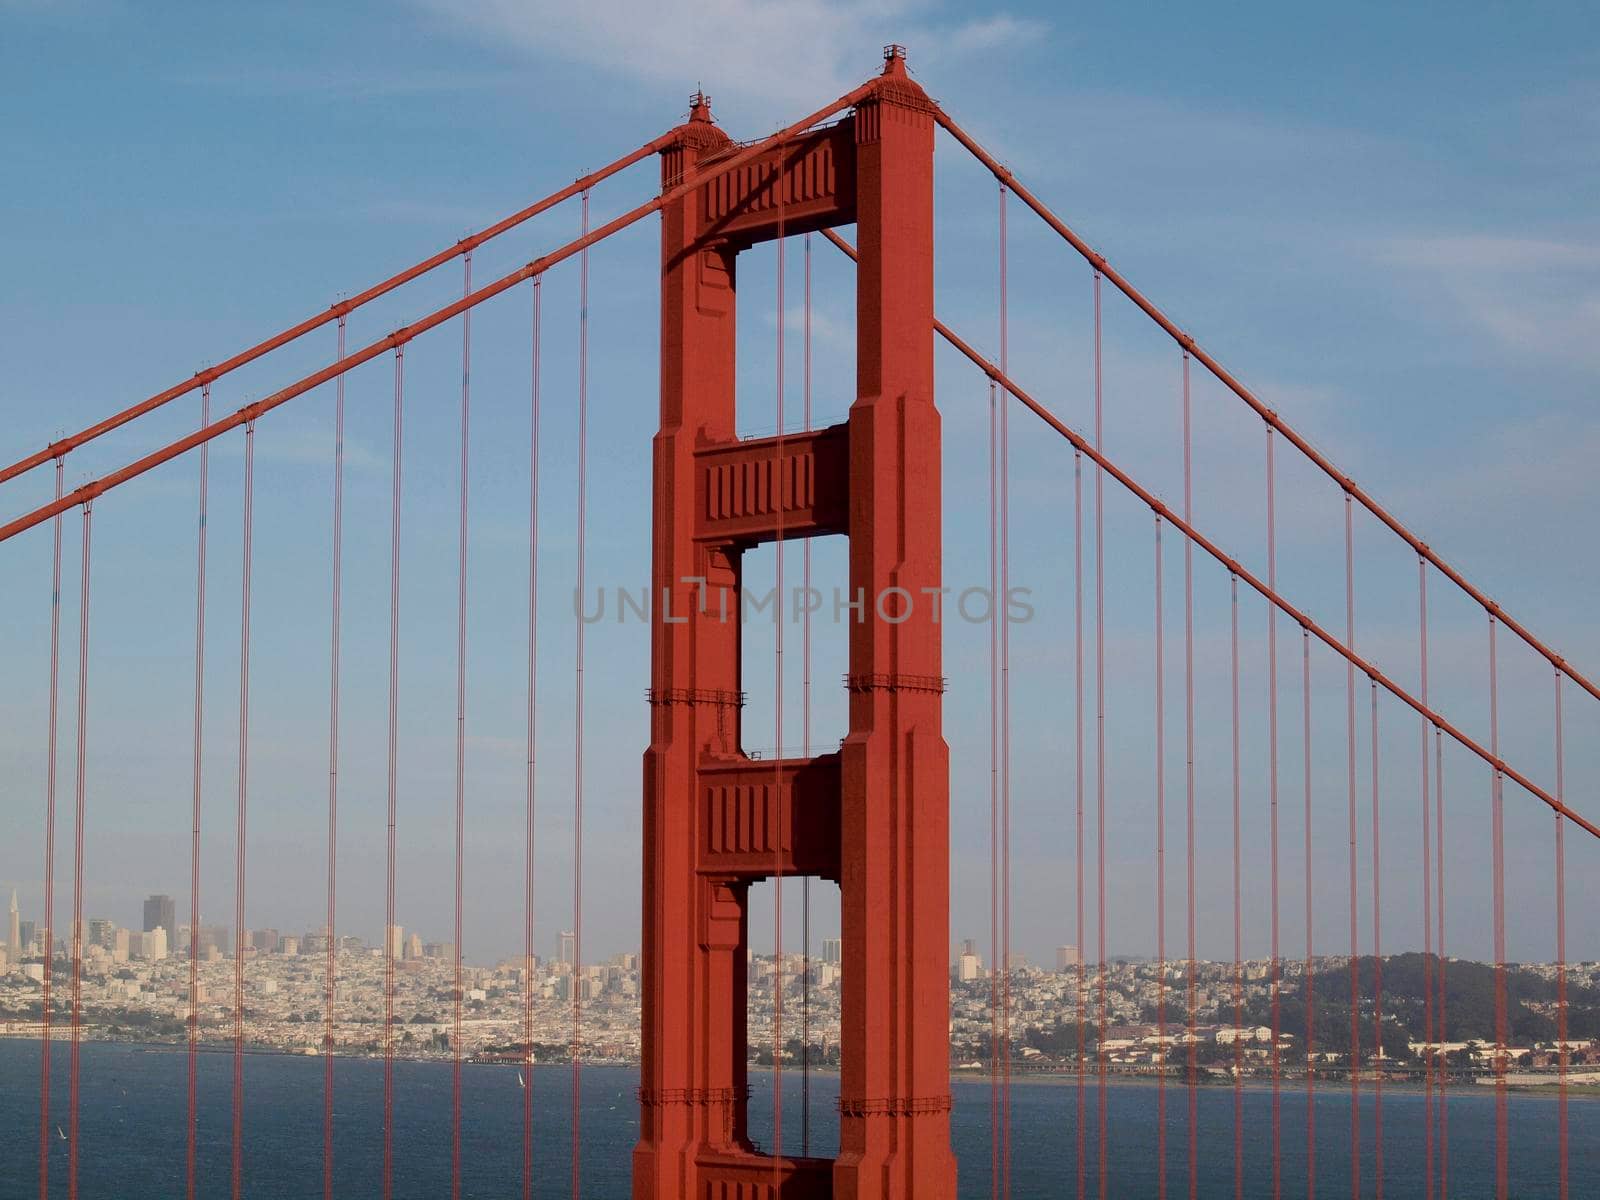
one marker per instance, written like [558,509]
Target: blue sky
[1382,219]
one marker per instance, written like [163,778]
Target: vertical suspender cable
[1561,950]
[999,602]
[1238,918]
[533,680]
[194,816]
[1100,716]
[330,981]
[1497,817]
[1272,787]
[577,746]
[779,501]
[1188,710]
[1161,875]
[1431,1062]
[1350,752]
[461,727]
[995,965]
[805,737]
[390,934]
[243,810]
[1310,992]
[1377,957]
[1438,877]
[47,1011]
[77,857]
[1077,710]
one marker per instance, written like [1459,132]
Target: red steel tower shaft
[874,816]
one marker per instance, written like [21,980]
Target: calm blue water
[133,1123]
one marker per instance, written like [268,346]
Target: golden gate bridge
[874,814]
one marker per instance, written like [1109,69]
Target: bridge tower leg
[873,816]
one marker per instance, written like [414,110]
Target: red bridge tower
[875,815]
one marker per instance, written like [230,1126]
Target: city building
[160,913]
[833,950]
[568,947]
[1066,957]
[396,941]
[14,929]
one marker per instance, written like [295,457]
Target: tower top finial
[894,59]
[700,106]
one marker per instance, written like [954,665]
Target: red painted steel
[47,1008]
[242,810]
[1310,993]
[681,186]
[1188,717]
[1498,860]
[1238,906]
[81,770]
[892,796]
[1100,734]
[1562,1113]
[1077,712]
[461,730]
[1355,947]
[391,806]
[1438,876]
[578,714]
[1431,1031]
[1272,752]
[1377,954]
[193,1021]
[1161,874]
[331,966]
[531,795]
[998,606]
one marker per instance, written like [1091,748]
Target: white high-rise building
[155,944]
[1066,956]
[14,930]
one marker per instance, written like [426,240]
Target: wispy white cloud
[1530,295]
[341,81]
[781,51]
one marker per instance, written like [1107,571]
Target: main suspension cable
[1273,420]
[400,337]
[339,310]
